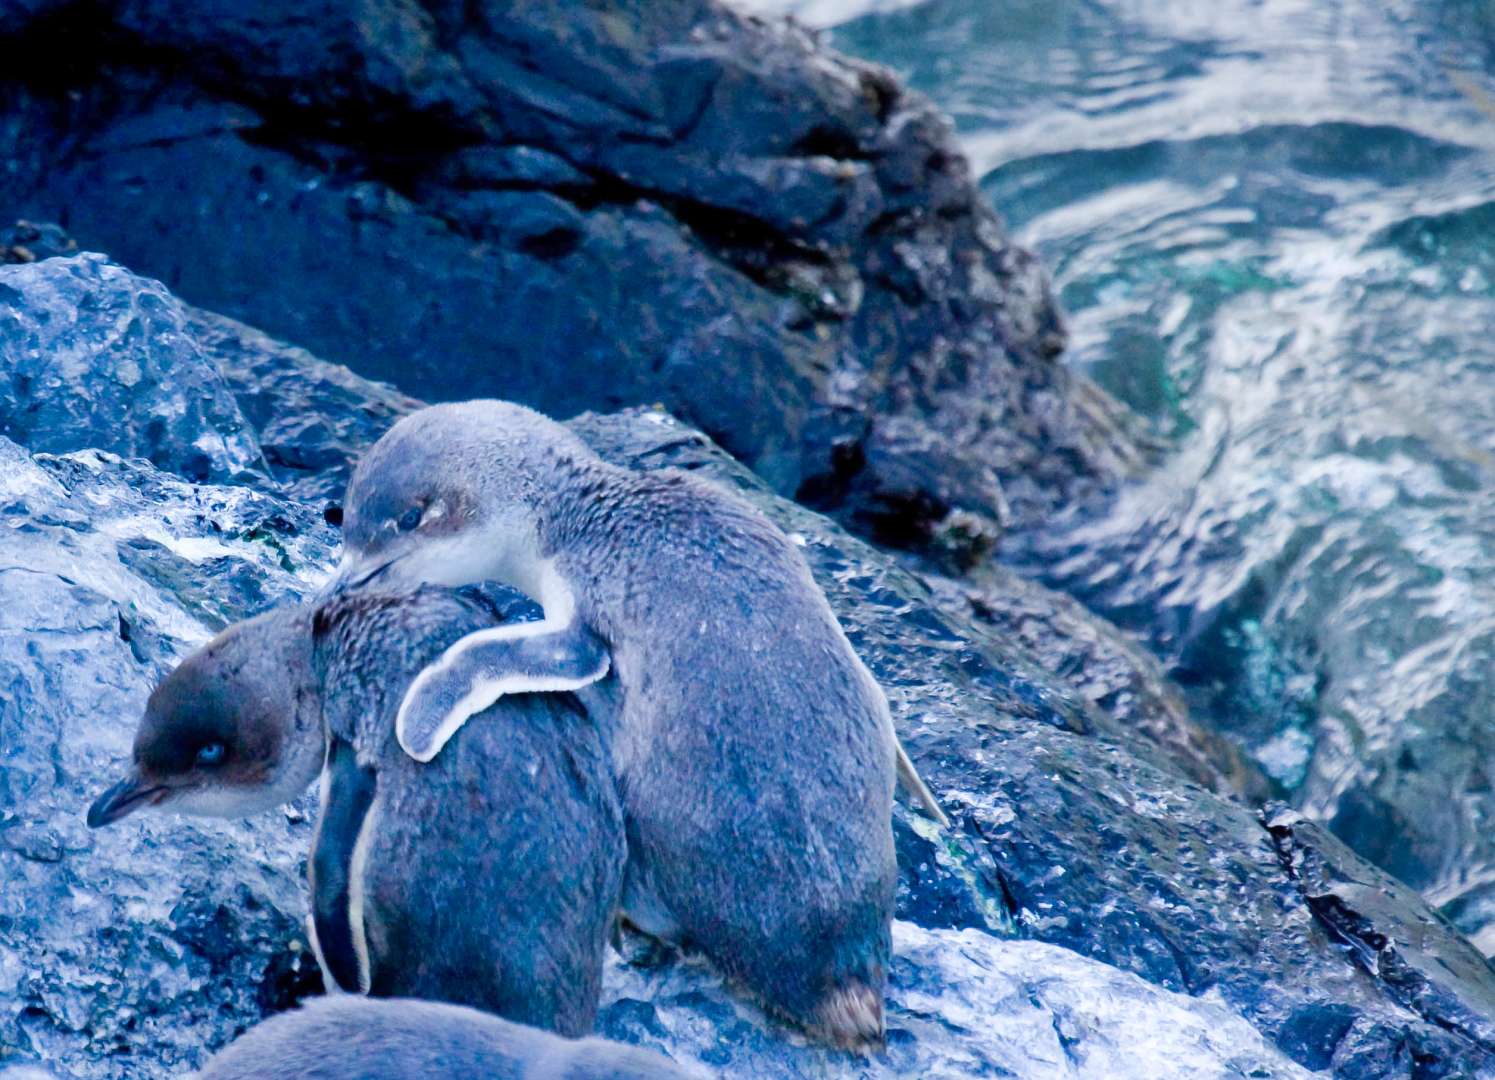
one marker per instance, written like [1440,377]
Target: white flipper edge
[536,657]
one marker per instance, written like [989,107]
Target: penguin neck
[574,498]
[576,513]
[543,582]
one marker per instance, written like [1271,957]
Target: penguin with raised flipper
[488,878]
[754,751]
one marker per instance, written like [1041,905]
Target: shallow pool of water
[1272,225]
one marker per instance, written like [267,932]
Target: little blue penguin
[489,878]
[235,729]
[351,1038]
[754,750]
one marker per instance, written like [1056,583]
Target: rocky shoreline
[1074,827]
[731,251]
[578,207]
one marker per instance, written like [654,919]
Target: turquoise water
[1272,225]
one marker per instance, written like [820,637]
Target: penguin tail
[914,784]
[850,1017]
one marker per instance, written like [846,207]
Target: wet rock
[1388,932]
[1142,910]
[1107,667]
[131,953]
[84,341]
[312,418]
[960,1003]
[580,207]
[91,355]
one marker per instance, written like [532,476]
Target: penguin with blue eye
[234,730]
[350,1038]
[489,878]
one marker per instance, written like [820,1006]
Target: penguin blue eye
[410,519]
[211,754]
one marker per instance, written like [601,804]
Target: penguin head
[448,496]
[235,729]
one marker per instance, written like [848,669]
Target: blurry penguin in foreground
[488,878]
[350,1038]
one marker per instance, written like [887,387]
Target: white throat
[510,556]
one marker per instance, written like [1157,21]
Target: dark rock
[312,418]
[18,15]
[1387,930]
[579,206]
[1105,666]
[27,242]
[519,168]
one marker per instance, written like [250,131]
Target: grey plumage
[754,751]
[490,876]
[352,1038]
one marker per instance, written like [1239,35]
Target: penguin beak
[355,575]
[123,799]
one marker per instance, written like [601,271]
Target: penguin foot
[851,1018]
[639,949]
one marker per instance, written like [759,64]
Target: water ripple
[1270,222]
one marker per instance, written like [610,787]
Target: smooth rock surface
[579,206]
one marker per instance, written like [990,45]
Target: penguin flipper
[536,657]
[336,920]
